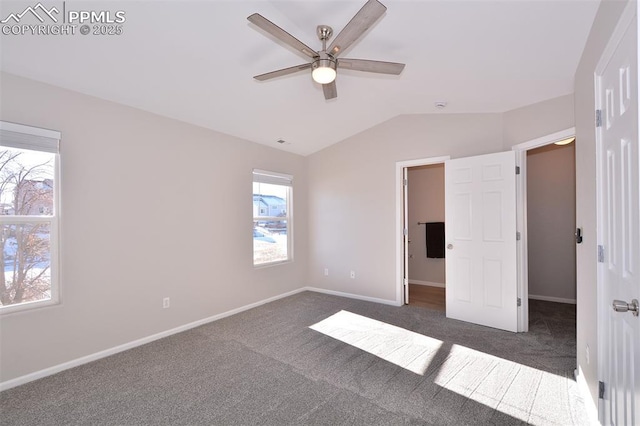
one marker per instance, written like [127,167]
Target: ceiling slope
[194,61]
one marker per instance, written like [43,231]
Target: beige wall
[169,235]
[352,194]
[606,19]
[117,265]
[551,218]
[352,211]
[151,207]
[426,204]
[525,124]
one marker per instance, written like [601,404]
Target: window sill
[28,306]
[270,264]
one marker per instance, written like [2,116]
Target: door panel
[462,216]
[618,234]
[480,228]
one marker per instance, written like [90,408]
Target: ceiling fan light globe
[323,75]
[324,69]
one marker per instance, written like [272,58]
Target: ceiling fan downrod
[324,60]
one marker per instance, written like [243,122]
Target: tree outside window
[27,207]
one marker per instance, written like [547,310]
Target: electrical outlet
[326,272]
[166,302]
[353,275]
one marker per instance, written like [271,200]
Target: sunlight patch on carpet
[525,393]
[404,348]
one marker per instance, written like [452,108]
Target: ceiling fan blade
[284,71]
[370,12]
[330,90]
[281,34]
[371,66]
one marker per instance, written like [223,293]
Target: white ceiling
[194,61]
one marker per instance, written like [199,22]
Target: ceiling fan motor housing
[324,60]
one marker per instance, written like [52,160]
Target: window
[29,222]
[272,241]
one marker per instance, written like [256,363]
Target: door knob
[622,306]
[450,246]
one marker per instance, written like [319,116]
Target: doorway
[425,204]
[402,223]
[481,248]
[521,253]
[551,227]
[483,288]
[543,156]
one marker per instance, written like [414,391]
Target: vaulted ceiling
[194,61]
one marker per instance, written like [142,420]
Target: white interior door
[480,229]
[618,234]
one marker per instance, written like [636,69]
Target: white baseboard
[428,283]
[583,388]
[355,296]
[130,345]
[553,299]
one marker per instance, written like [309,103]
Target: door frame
[522,251]
[400,225]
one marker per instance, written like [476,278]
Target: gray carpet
[384,366]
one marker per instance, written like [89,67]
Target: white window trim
[276,178]
[26,137]
[19,136]
[265,176]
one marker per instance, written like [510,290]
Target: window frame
[19,136]
[282,179]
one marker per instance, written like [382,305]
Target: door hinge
[601,390]
[517,170]
[598,118]
[405,232]
[600,253]
[405,182]
[517,236]
[519,301]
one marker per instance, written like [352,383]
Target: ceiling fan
[324,63]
